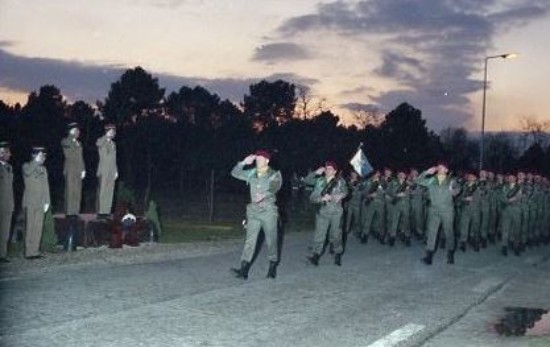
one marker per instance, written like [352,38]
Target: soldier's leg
[33,233]
[406,221]
[106,191]
[380,219]
[320,234]
[367,223]
[484,222]
[434,220]
[253,227]
[5,225]
[269,226]
[463,226]
[335,232]
[447,224]
[393,221]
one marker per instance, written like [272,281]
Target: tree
[406,141]
[460,152]
[270,103]
[536,130]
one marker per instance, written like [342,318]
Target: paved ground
[183,295]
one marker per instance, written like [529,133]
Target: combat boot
[364,238]
[314,259]
[338,259]
[450,257]
[391,241]
[462,246]
[407,241]
[483,243]
[428,258]
[243,271]
[272,272]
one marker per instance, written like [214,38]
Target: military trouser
[374,218]
[73,193]
[353,218]
[485,219]
[532,232]
[469,222]
[437,218]
[5,225]
[257,220]
[511,225]
[105,195]
[493,218]
[328,221]
[417,217]
[400,219]
[33,231]
[525,222]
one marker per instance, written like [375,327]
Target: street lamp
[481,142]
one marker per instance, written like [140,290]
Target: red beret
[263,153]
[331,164]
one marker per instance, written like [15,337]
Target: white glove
[46,207]
[83,174]
[116,175]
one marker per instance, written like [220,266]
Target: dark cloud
[91,82]
[359,107]
[430,47]
[361,90]
[281,51]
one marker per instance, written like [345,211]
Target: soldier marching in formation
[7,205]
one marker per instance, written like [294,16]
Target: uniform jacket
[37,189]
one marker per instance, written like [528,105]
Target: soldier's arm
[275,182]
[239,172]
[315,196]
[29,169]
[424,179]
[101,141]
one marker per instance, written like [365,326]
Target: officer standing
[107,171]
[261,212]
[469,212]
[36,201]
[6,199]
[74,170]
[441,190]
[330,189]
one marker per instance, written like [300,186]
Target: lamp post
[481,142]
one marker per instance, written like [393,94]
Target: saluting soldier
[262,212]
[441,190]
[6,199]
[329,191]
[74,170]
[107,171]
[36,201]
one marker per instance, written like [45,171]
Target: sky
[352,56]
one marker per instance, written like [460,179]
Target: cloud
[361,90]
[281,51]
[359,107]
[427,47]
[91,82]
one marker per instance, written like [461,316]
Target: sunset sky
[352,54]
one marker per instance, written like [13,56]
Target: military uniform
[6,205]
[418,209]
[469,215]
[73,171]
[36,200]
[261,213]
[510,197]
[329,215]
[107,174]
[374,210]
[399,200]
[353,206]
[440,212]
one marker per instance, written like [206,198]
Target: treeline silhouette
[178,141]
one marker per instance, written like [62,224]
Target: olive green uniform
[329,214]
[469,215]
[35,197]
[418,209]
[399,208]
[511,200]
[107,173]
[73,169]
[6,206]
[374,210]
[261,215]
[353,207]
[441,209]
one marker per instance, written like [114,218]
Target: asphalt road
[381,296]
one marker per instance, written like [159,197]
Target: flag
[360,163]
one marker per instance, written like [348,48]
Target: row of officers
[468,211]
[36,196]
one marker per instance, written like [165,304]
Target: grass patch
[178,231]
